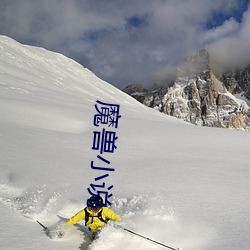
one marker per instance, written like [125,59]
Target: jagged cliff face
[201,97]
[237,81]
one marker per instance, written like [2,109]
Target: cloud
[233,49]
[121,41]
[228,28]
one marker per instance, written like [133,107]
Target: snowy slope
[182,185]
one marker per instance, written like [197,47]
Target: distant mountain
[237,81]
[202,96]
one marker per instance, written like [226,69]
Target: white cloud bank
[129,41]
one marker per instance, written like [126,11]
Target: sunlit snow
[182,185]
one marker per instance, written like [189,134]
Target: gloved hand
[60,233]
[62,229]
[118,226]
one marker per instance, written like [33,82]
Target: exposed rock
[137,91]
[200,97]
[133,88]
[237,81]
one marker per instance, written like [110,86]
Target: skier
[95,215]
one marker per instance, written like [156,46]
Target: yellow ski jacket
[94,223]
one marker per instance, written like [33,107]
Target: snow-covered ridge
[34,66]
[33,74]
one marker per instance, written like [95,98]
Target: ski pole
[45,228]
[150,239]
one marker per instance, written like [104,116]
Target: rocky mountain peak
[196,64]
[200,96]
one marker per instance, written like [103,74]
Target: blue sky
[218,17]
[131,41]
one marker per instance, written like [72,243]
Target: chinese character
[100,168]
[107,115]
[104,141]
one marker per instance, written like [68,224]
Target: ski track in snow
[144,214]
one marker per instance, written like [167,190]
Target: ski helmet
[95,201]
